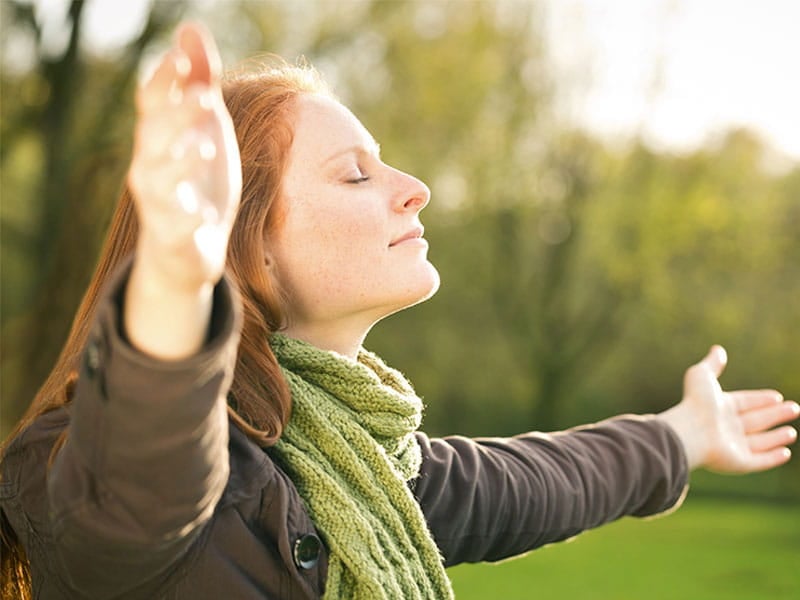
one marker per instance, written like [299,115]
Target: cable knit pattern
[350,449]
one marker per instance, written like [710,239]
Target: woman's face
[349,248]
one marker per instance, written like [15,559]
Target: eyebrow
[373,148]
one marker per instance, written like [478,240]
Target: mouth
[413,234]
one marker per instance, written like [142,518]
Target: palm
[185,173]
[734,430]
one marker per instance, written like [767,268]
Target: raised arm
[186,180]
[146,458]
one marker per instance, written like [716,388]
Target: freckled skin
[334,251]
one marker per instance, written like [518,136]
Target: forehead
[324,126]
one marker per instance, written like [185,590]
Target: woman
[197,442]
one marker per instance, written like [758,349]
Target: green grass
[707,550]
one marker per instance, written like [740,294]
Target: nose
[412,195]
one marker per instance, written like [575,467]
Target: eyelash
[361,179]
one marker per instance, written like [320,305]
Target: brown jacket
[156,495]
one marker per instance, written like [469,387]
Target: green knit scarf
[350,450]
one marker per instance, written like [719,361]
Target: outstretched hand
[185,172]
[731,432]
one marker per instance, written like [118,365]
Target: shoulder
[34,444]
[23,475]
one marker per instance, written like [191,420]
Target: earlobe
[270,262]
[266,253]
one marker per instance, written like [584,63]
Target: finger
[716,359]
[746,400]
[762,419]
[157,135]
[158,175]
[766,460]
[167,79]
[155,176]
[198,44]
[697,376]
[160,128]
[769,440]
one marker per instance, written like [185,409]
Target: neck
[335,338]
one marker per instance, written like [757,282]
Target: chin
[426,286]
[433,283]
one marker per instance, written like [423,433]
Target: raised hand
[185,173]
[731,432]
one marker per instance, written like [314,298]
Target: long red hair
[261,105]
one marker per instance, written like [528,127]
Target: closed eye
[358,175]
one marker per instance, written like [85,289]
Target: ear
[268,243]
[269,258]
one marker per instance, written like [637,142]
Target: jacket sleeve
[492,498]
[146,457]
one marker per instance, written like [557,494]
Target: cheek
[349,246]
[328,247]
[338,228]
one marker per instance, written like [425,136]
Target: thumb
[198,44]
[716,359]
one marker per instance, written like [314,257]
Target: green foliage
[65,124]
[579,280]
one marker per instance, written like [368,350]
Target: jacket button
[306,551]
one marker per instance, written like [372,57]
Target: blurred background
[616,186]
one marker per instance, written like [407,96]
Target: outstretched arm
[730,432]
[492,498]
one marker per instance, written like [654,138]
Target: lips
[411,234]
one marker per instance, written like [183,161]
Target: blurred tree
[579,280]
[65,130]
[510,194]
